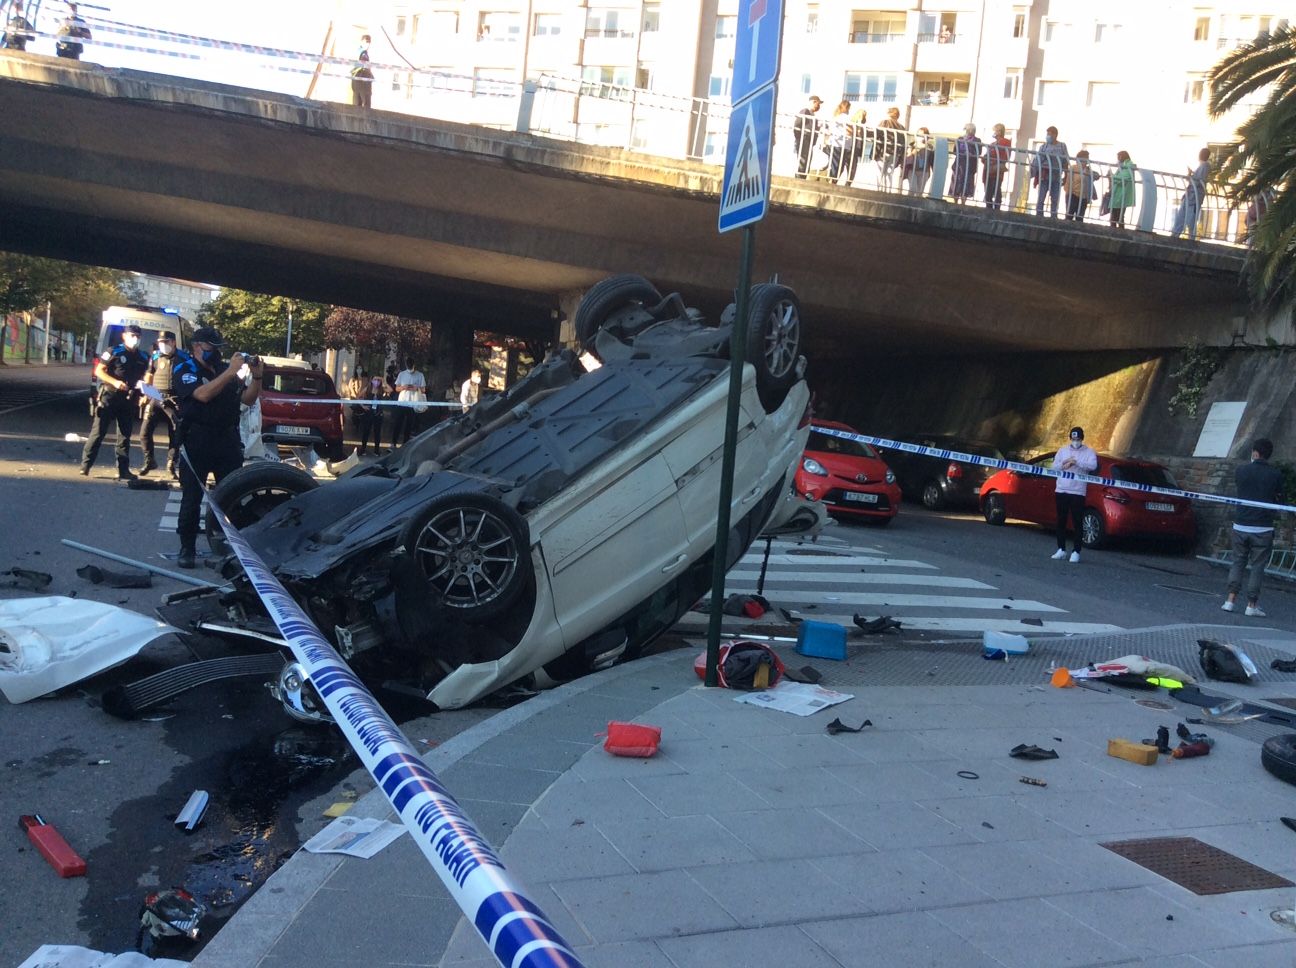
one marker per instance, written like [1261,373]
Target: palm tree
[1264,158]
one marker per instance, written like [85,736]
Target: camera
[251,359]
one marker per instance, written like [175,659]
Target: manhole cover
[1199,867]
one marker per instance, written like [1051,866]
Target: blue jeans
[1052,189]
[1187,215]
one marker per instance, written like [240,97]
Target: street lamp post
[288,343]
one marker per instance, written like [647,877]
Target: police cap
[132,328]
[167,336]
[208,334]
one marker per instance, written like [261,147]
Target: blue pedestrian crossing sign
[756,47]
[744,193]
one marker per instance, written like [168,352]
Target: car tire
[606,297]
[994,509]
[472,552]
[1278,756]
[932,498]
[1093,530]
[250,493]
[773,341]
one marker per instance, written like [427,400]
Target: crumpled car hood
[305,537]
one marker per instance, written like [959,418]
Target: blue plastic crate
[823,640]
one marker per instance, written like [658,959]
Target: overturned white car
[550,530]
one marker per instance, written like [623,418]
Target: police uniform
[209,433]
[161,374]
[112,404]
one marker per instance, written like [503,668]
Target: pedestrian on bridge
[967,149]
[117,371]
[1189,212]
[70,35]
[1047,168]
[893,141]
[805,131]
[362,77]
[1253,528]
[18,29]
[1078,458]
[1121,199]
[996,166]
[209,392]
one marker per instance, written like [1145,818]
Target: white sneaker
[1255,611]
[1075,557]
[1059,554]
[1227,606]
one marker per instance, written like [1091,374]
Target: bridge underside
[451,222]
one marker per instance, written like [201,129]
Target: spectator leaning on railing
[1189,212]
[1120,197]
[996,166]
[1080,187]
[1047,168]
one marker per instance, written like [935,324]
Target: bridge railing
[829,153]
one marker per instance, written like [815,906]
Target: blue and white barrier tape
[516,930]
[1038,471]
[366,403]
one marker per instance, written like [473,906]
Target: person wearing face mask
[117,371]
[369,419]
[470,392]
[209,392]
[161,376]
[1047,168]
[1078,458]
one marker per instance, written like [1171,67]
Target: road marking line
[831,561]
[746,581]
[896,600]
[698,620]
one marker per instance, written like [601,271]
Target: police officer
[118,370]
[161,377]
[209,392]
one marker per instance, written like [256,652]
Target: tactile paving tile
[1197,866]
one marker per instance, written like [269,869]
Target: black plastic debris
[1022,751]
[837,726]
[883,623]
[1289,822]
[139,484]
[1225,662]
[806,674]
[24,578]
[1283,665]
[115,579]
[1033,621]
[172,913]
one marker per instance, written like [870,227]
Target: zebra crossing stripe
[696,623]
[893,600]
[781,581]
[829,561]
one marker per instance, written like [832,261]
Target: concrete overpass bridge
[504,229]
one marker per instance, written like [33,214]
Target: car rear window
[837,445]
[1140,474]
[303,383]
[973,447]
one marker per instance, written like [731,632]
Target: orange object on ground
[1062,678]
[632,739]
[52,846]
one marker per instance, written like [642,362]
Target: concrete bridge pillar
[565,334]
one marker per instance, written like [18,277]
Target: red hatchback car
[847,475]
[1110,512]
[317,425]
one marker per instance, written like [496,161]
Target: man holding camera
[209,392]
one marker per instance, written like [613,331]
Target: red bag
[632,739]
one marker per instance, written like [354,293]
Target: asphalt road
[269,780]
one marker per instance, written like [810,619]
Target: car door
[1034,501]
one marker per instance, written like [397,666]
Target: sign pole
[737,360]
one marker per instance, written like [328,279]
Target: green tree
[79,293]
[1264,157]
[259,323]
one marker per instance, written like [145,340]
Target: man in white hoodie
[1070,495]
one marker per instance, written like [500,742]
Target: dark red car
[847,475]
[1110,512]
[317,425]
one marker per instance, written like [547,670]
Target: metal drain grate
[1199,867]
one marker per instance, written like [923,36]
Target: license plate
[298,431]
[861,497]
[1159,506]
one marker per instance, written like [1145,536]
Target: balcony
[935,57]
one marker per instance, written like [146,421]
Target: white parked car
[552,529]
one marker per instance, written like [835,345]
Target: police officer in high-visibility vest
[117,370]
[161,377]
[209,392]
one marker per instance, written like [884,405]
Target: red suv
[317,425]
[847,475]
[1110,512]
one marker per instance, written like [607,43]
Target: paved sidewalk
[754,838]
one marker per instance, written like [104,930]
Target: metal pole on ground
[737,356]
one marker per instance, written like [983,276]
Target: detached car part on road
[549,530]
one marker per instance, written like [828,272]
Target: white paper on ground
[74,956]
[52,642]
[354,836]
[797,698]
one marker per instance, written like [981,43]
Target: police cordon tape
[512,925]
[367,403]
[1012,465]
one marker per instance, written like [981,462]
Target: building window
[498,25]
[400,26]
[807,81]
[1194,90]
[1050,93]
[1201,30]
[726,28]
[444,22]
[719,86]
[493,81]
[715,144]
[1102,94]
[609,22]
[879,31]
[812,19]
[1106,32]
[651,18]
[1012,84]
[1052,31]
[869,87]
[607,81]
[547,25]
[1019,23]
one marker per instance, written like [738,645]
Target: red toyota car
[1110,512]
[317,425]
[847,475]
